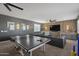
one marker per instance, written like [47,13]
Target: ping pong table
[29,43]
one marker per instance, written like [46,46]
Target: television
[55,28]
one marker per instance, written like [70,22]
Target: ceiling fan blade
[14,6]
[7,7]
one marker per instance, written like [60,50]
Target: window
[37,27]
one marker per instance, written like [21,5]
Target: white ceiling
[42,12]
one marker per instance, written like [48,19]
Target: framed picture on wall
[11,25]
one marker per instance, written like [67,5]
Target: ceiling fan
[9,4]
[50,20]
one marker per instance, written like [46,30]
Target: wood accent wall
[46,26]
[71,24]
[63,26]
[68,26]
